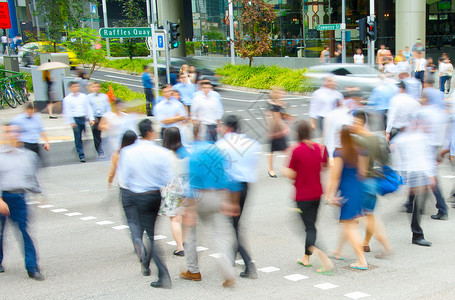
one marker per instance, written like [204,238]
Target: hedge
[264,77]
[135,65]
[135,100]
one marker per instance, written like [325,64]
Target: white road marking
[243,100]
[58,210]
[282,155]
[305,114]
[172,243]
[449,176]
[258,118]
[246,120]
[296,277]
[120,227]
[200,248]
[325,286]
[240,262]
[73,214]
[33,202]
[304,105]
[216,255]
[104,222]
[123,78]
[228,111]
[88,218]
[46,206]
[269,269]
[99,79]
[159,237]
[356,295]
[240,110]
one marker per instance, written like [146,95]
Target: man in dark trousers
[147,82]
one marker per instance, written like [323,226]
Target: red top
[307,160]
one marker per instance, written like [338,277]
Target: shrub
[134,65]
[264,77]
[135,100]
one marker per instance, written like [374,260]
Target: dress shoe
[250,271]
[2,269]
[179,253]
[439,216]
[421,242]
[162,283]
[230,283]
[191,276]
[36,276]
[145,270]
[366,249]
[82,160]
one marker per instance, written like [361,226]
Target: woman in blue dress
[345,190]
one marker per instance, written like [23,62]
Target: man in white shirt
[413,86]
[241,154]
[4,43]
[420,64]
[169,111]
[207,110]
[100,105]
[76,111]
[401,107]
[323,101]
[333,123]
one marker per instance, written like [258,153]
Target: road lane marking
[120,227]
[240,110]
[123,78]
[46,206]
[172,243]
[200,248]
[159,237]
[240,262]
[58,210]
[356,295]
[33,202]
[296,277]
[216,255]
[325,286]
[269,269]
[99,79]
[73,214]
[104,222]
[88,218]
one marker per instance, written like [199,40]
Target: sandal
[299,261]
[336,257]
[356,267]
[329,272]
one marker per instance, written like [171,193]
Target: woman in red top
[307,160]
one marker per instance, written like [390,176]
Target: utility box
[56,57]
[40,86]
[11,63]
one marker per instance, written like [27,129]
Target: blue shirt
[381,95]
[208,169]
[166,109]
[100,104]
[144,166]
[147,81]
[413,87]
[30,127]
[186,91]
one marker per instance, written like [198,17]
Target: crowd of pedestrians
[199,167]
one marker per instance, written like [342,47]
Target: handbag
[389,183]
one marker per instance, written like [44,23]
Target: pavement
[85,250]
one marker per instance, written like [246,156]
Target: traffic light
[362,28]
[174,35]
[371,30]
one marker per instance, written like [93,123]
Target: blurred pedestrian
[76,111]
[50,94]
[100,105]
[277,129]
[378,155]
[430,70]
[323,100]
[307,161]
[413,87]
[144,168]
[449,73]
[242,161]
[83,81]
[169,111]
[126,196]
[407,54]
[349,169]
[338,53]
[359,58]
[207,110]
[380,97]
[4,40]
[333,123]
[173,76]
[147,83]
[186,89]
[389,67]
[400,56]
[192,74]
[214,201]
[443,71]
[325,55]
[174,191]
[382,53]
[17,177]
[420,64]
[184,69]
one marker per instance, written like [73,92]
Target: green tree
[133,13]
[57,13]
[88,46]
[214,34]
[253,34]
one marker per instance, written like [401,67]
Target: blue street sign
[160,41]
[93,9]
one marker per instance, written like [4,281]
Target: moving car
[30,51]
[364,77]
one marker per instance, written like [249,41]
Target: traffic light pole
[371,42]
[343,31]
[166,29]
[154,54]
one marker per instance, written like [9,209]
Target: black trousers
[148,205]
[148,101]
[309,213]
[235,221]
[416,201]
[97,136]
[35,147]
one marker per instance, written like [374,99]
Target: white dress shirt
[169,108]
[401,107]
[420,64]
[207,109]
[323,101]
[242,156]
[100,104]
[76,106]
[144,167]
[333,123]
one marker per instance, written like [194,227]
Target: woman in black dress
[277,128]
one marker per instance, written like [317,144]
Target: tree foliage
[253,35]
[88,46]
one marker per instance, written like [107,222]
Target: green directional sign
[126,32]
[331,27]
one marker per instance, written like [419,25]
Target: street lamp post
[108,48]
[231,31]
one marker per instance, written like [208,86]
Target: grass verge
[135,65]
[135,101]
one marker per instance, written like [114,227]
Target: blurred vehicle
[203,71]
[30,51]
[363,77]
